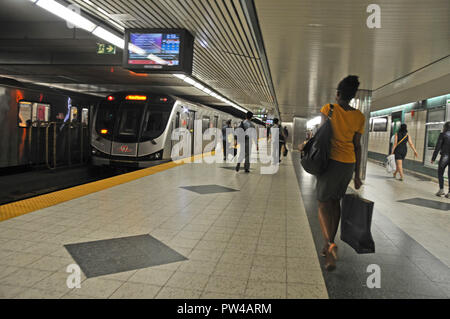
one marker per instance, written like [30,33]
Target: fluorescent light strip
[108,36]
[66,14]
[81,22]
[199,86]
[180,76]
[103,11]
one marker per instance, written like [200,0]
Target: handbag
[390,164]
[356,220]
[316,153]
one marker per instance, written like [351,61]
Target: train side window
[205,123]
[85,116]
[73,114]
[177,120]
[40,113]
[24,114]
[380,124]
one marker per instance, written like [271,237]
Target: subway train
[132,129]
[41,126]
[425,120]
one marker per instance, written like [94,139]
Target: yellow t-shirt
[345,124]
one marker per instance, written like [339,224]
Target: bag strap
[330,112]
[402,139]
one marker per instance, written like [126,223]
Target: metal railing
[63,144]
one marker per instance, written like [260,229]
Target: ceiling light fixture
[66,14]
[79,21]
[108,36]
[201,87]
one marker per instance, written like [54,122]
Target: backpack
[316,153]
[286,133]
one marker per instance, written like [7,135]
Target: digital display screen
[154,49]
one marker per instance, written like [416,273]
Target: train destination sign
[158,50]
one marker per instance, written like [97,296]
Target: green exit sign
[103,48]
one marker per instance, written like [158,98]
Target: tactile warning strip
[29,205]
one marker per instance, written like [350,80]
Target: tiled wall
[379,141]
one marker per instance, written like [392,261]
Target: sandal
[330,264]
[333,250]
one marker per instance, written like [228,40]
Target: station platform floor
[205,231]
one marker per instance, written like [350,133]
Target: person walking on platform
[400,150]
[225,138]
[281,137]
[345,157]
[245,125]
[443,146]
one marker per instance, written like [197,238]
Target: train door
[216,125]
[396,118]
[434,127]
[191,128]
[176,125]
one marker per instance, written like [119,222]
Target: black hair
[347,87]
[249,115]
[228,122]
[446,126]
[275,121]
[403,129]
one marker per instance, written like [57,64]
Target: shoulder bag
[316,153]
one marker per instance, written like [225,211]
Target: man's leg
[224,150]
[247,155]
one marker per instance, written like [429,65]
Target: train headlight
[94,151]
[157,155]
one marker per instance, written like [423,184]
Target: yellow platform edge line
[29,205]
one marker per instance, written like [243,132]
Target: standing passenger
[345,156]
[443,146]
[225,138]
[281,140]
[245,125]
[400,150]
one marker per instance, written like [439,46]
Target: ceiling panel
[312,44]
[225,54]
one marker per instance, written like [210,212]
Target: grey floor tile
[116,255]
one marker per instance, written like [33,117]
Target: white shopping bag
[390,164]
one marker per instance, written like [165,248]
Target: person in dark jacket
[225,139]
[247,147]
[400,149]
[443,146]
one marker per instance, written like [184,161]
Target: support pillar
[362,102]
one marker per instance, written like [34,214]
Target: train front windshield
[132,121]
